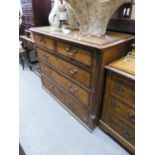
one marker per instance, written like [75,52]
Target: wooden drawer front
[77,110]
[27,10]
[55,90]
[124,131]
[74,53]
[44,42]
[28,19]
[72,88]
[120,108]
[27,5]
[72,71]
[123,88]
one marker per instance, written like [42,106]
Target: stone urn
[72,19]
[94,15]
[81,12]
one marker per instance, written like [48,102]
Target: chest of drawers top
[124,66]
[108,40]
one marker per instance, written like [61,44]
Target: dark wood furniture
[22,56]
[28,46]
[35,13]
[118,113]
[123,20]
[72,68]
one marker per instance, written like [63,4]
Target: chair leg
[22,61]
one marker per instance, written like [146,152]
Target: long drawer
[44,42]
[123,88]
[121,128]
[73,89]
[74,53]
[72,71]
[69,102]
[28,19]
[54,90]
[27,11]
[124,111]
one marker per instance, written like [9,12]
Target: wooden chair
[22,56]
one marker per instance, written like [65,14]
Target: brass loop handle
[71,88]
[72,71]
[51,87]
[67,49]
[128,135]
[71,51]
[45,56]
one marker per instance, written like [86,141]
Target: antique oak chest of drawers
[72,68]
[118,114]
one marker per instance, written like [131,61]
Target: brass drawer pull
[132,117]
[51,87]
[71,71]
[71,51]
[128,135]
[45,56]
[67,49]
[72,89]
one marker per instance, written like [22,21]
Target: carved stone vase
[81,12]
[94,15]
[72,20]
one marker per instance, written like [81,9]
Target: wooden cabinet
[118,113]
[35,13]
[72,70]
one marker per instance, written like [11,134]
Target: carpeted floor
[47,129]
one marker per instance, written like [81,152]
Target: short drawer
[74,53]
[123,88]
[54,90]
[27,10]
[123,130]
[72,71]
[72,88]
[77,109]
[44,42]
[28,19]
[121,109]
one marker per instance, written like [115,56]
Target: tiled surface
[47,129]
